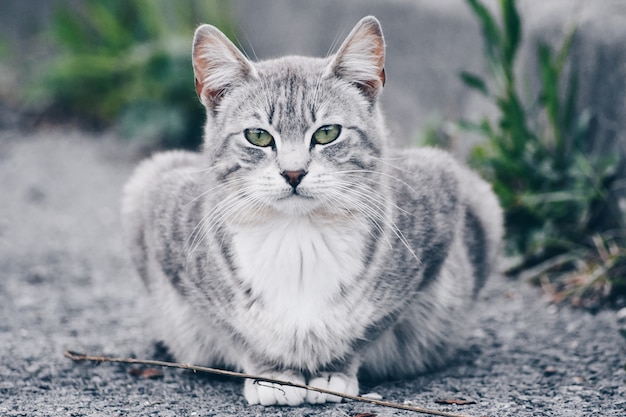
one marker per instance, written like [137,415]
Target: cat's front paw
[265,393]
[337,382]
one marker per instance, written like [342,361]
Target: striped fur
[369,266]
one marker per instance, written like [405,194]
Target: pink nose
[294,178]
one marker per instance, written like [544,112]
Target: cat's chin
[296,205]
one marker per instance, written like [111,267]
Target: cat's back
[431,183]
[436,171]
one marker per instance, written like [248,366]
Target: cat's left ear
[217,65]
[361,58]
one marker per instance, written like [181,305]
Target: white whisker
[349,189]
[384,174]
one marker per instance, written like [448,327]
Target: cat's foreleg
[266,393]
[341,379]
[338,382]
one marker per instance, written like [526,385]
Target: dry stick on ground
[82,357]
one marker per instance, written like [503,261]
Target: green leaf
[475,82]
[550,96]
[70,31]
[568,118]
[483,128]
[563,53]
[113,33]
[491,33]
[512,30]
[581,128]
[152,18]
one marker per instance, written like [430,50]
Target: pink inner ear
[361,58]
[379,52]
[198,88]
[218,65]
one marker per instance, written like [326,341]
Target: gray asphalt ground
[66,283]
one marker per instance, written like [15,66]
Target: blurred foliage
[435,134]
[555,192]
[128,63]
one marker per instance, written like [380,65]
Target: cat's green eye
[258,137]
[326,134]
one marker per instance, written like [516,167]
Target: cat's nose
[294,178]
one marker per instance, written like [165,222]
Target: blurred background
[532,94]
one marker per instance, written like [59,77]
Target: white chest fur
[297,268]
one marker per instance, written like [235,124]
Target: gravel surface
[66,283]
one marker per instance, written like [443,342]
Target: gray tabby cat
[296,245]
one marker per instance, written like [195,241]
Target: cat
[295,244]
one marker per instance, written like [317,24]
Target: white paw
[265,393]
[333,382]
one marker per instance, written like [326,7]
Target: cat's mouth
[296,202]
[296,195]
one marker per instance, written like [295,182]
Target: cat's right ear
[217,65]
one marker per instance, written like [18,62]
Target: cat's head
[294,134]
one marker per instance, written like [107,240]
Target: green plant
[128,63]
[554,191]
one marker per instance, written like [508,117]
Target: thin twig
[82,357]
